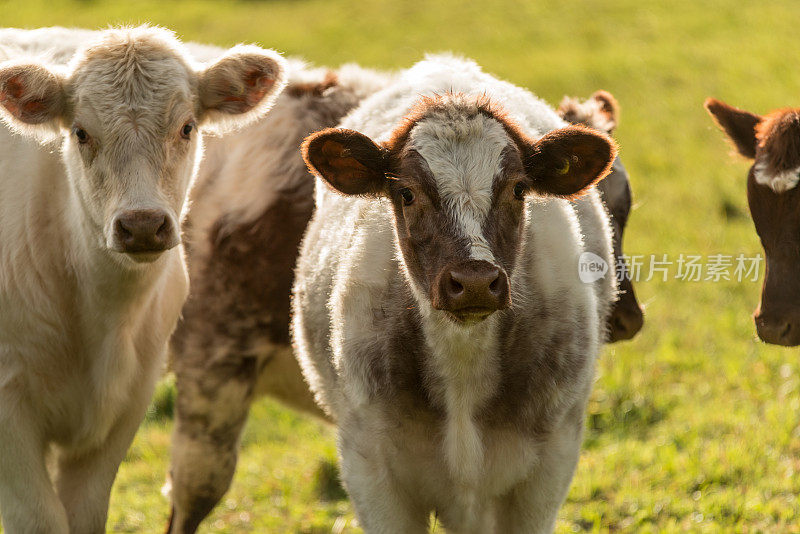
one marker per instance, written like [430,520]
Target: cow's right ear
[348,160]
[32,100]
[739,125]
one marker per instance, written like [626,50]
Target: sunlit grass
[694,425]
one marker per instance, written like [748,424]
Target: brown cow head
[457,172]
[773,143]
[600,111]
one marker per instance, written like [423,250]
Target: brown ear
[348,160]
[600,111]
[739,125]
[566,162]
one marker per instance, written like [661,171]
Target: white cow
[438,312]
[96,157]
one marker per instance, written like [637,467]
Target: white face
[130,108]
[131,147]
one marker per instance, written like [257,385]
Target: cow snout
[144,231]
[778,329]
[625,322]
[472,290]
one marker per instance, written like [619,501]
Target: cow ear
[567,162]
[32,100]
[600,111]
[348,161]
[739,125]
[240,87]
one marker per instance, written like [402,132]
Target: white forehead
[780,181]
[464,154]
[134,73]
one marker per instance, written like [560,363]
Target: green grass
[691,427]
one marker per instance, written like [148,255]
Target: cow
[772,142]
[438,312]
[97,154]
[250,206]
[601,112]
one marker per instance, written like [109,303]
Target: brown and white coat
[470,406]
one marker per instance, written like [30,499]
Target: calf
[438,313]
[250,207]
[772,141]
[97,157]
[600,111]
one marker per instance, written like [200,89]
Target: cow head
[773,143]
[601,112]
[130,109]
[458,174]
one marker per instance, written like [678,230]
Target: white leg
[84,479]
[533,505]
[28,502]
[381,504]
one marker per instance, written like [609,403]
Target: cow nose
[139,231]
[778,330]
[472,289]
[624,323]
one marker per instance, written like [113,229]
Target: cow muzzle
[778,328]
[471,291]
[144,234]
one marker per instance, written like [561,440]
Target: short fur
[773,197]
[83,327]
[479,422]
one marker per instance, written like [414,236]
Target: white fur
[464,171]
[470,474]
[779,182]
[83,329]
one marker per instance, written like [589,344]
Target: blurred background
[693,425]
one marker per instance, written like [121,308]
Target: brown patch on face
[313,89]
[778,136]
[777,220]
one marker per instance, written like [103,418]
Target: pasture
[692,426]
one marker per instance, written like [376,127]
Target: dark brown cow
[601,112]
[772,141]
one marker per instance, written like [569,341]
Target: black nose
[778,330]
[144,231]
[472,288]
[625,322]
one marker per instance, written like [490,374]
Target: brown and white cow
[772,141]
[439,316]
[601,112]
[250,207]
[96,157]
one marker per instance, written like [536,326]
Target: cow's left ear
[240,87]
[566,162]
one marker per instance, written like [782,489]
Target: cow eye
[186,131]
[407,195]
[519,190]
[81,135]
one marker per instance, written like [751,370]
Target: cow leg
[211,409]
[84,478]
[381,504]
[532,506]
[28,502]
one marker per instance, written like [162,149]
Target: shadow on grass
[621,414]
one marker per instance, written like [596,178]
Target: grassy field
[693,426]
